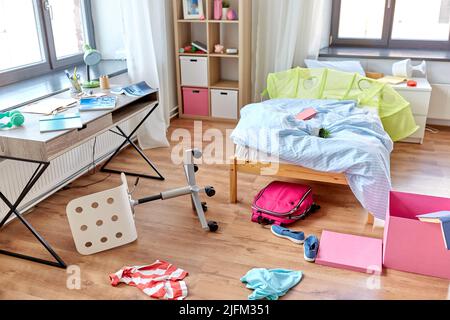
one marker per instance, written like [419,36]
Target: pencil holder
[76,87]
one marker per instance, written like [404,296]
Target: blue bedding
[358,146]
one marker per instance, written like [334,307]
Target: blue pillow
[345,66]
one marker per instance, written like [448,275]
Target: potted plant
[225,8]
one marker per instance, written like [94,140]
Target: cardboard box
[411,245]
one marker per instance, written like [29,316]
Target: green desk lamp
[92,57]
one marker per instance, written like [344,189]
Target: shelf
[192,54]
[225,72]
[224,21]
[208,21]
[220,55]
[191,21]
[225,85]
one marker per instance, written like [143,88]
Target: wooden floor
[170,231]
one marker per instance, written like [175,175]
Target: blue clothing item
[358,146]
[270,284]
[311,247]
[295,236]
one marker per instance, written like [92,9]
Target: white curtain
[148,34]
[285,32]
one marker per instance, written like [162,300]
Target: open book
[140,89]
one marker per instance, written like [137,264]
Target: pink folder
[307,114]
[350,252]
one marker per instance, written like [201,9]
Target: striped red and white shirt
[160,280]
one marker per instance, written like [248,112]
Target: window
[37,36]
[414,24]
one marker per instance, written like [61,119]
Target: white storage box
[224,104]
[194,71]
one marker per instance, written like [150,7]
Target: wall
[438,75]
[109,35]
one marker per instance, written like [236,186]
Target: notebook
[307,114]
[98,103]
[443,218]
[140,89]
[200,46]
[392,80]
[344,251]
[60,122]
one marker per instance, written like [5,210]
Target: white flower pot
[224,13]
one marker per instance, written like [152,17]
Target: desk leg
[42,166]
[141,153]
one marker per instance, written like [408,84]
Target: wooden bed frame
[284,171]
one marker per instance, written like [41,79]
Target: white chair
[105,220]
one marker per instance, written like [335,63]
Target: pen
[75,74]
[67,74]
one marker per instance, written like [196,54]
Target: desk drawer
[73,138]
[94,127]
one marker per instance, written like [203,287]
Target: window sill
[382,53]
[24,92]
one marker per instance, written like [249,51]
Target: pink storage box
[411,245]
[195,101]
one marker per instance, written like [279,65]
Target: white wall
[109,35]
[438,75]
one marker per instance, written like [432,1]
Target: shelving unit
[227,74]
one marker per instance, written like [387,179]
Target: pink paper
[411,245]
[306,114]
[350,252]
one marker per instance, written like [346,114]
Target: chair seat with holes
[102,221]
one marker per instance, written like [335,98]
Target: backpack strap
[264,221]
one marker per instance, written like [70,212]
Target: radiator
[63,170]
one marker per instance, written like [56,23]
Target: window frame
[51,62]
[386,41]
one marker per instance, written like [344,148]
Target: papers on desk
[140,89]
[60,122]
[49,106]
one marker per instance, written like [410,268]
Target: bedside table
[419,97]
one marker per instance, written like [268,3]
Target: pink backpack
[283,203]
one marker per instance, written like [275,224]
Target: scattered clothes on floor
[160,280]
[270,284]
[311,247]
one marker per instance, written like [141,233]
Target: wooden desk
[28,144]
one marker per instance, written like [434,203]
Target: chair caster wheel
[204,206]
[213,226]
[210,191]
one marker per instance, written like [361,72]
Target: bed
[249,161]
[364,117]
[357,154]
